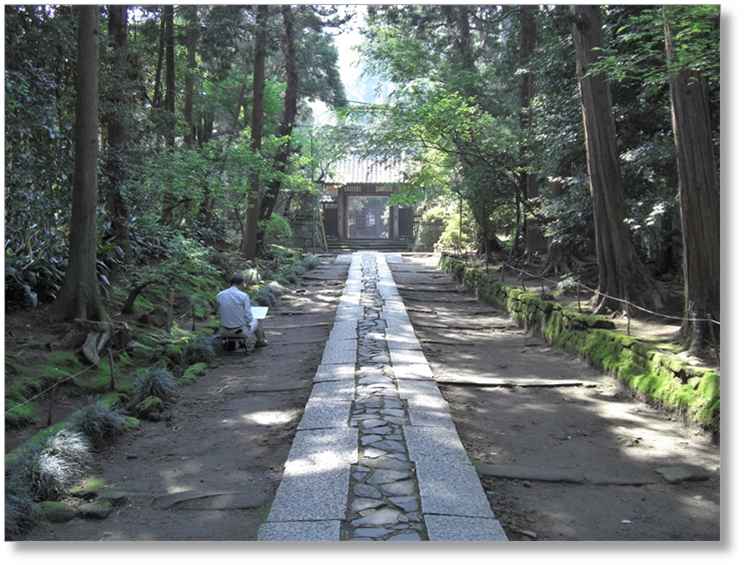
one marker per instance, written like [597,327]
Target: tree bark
[285,129]
[116,162]
[623,278]
[699,200]
[259,83]
[80,295]
[533,240]
[192,35]
[170,72]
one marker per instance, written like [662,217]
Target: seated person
[236,318]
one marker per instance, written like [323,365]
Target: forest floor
[209,470]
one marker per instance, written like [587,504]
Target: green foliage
[199,350]
[278,231]
[49,468]
[155,381]
[192,373]
[663,380]
[17,414]
[21,507]
[99,422]
[268,294]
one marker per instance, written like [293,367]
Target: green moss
[18,415]
[131,423]
[89,489]
[659,377]
[66,361]
[149,405]
[192,373]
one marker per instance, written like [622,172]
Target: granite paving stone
[376,456]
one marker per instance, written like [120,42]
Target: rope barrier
[43,392]
[522,273]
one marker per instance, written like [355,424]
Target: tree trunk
[285,129]
[116,162]
[259,83]
[157,92]
[192,35]
[169,203]
[622,275]
[80,295]
[170,73]
[533,239]
[699,200]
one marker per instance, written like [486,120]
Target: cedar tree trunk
[80,296]
[622,275]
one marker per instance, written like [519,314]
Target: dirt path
[209,473]
[584,457]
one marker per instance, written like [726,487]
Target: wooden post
[112,386]
[52,398]
[169,318]
[715,341]
[578,296]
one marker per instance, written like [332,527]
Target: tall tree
[191,38]
[116,159]
[527,178]
[250,232]
[170,74]
[80,296]
[699,195]
[623,278]
[289,115]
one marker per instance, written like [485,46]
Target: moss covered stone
[149,406]
[192,373]
[56,512]
[89,489]
[665,381]
[97,510]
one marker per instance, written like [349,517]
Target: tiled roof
[358,170]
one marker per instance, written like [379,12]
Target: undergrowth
[48,465]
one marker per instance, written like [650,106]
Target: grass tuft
[50,468]
[99,422]
[155,381]
[199,350]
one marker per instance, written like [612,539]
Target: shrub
[267,294]
[99,422]
[21,509]
[199,350]
[278,230]
[155,381]
[49,468]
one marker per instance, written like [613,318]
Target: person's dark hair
[236,279]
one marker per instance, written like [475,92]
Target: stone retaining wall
[658,377]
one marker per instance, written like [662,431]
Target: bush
[199,350]
[99,422]
[50,468]
[278,231]
[21,509]
[156,381]
[267,294]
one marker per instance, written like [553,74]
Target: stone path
[376,456]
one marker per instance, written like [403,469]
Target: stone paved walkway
[376,456]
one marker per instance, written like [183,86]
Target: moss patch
[661,379]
